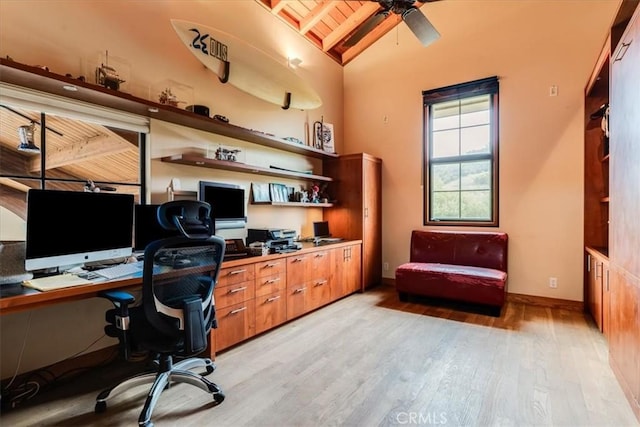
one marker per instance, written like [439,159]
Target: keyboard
[120,270]
[59,281]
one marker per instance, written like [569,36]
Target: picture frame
[260,193]
[324,137]
[279,193]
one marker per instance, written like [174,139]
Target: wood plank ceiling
[328,24]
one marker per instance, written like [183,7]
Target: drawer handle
[297,291]
[321,282]
[275,264]
[271,281]
[237,310]
[233,291]
[272,299]
[297,260]
[320,255]
[231,273]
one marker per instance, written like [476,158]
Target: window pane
[446,115]
[476,205]
[475,111]
[446,143]
[475,140]
[445,177]
[445,205]
[476,175]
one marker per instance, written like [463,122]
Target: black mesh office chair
[176,312]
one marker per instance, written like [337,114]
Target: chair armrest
[118,297]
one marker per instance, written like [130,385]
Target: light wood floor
[370,360]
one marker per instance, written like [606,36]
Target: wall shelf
[295,204]
[205,162]
[35,78]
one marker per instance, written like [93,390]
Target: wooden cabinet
[256,294]
[624,229]
[357,187]
[612,199]
[235,310]
[346,277]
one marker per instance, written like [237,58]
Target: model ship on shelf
[107,76]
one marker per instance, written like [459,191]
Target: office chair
[177,309]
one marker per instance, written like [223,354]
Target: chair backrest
[179,276]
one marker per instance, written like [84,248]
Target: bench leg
[403,296]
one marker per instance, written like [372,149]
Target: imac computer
[66,228]
[146,227]
[227,204]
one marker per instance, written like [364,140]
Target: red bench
[462,266]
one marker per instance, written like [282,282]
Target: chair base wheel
[218,398]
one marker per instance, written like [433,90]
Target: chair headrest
[192,218]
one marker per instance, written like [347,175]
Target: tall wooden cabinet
[612,199]
[358,213]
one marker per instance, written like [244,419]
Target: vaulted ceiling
[329,24]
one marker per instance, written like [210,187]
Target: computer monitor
[146,227]
[67,228]
[227,203]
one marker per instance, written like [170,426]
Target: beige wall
[529,45]
[69,36]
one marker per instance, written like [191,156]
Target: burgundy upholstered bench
[461,266]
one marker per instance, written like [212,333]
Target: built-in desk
[252,295]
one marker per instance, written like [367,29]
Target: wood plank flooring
[369,360]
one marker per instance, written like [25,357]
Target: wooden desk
[16,298]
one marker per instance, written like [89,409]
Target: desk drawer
[235,324]
[234,294]
[269,268]
[270,284]
[271,310]
[231,275]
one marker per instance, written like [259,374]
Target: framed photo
[323,137]
[260,193]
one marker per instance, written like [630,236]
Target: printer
[276,239]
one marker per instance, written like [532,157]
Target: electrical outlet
[553,90]
[553,282]
[385,266]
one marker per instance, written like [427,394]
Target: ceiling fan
[410,14]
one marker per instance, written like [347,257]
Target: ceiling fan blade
[420,26]
[365,28]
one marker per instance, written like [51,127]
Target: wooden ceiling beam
[384,27]
[278,5]
[89,149]
[321,10]
[358,17]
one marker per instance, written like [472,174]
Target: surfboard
[246,67]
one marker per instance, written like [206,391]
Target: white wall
[70,36]
[530,45]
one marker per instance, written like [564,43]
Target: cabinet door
[236,323]
[271,310]
[270,284]
[319,294]
[372,234]
[298,269]
[595,289]
[233,275]
[606,299]
[352,266]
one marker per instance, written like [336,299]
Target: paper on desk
[58,281]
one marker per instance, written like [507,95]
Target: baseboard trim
[546,302]
[524,299]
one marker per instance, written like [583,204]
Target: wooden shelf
[295,204]
[204,162]
[35,78]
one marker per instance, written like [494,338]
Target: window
[461,154]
